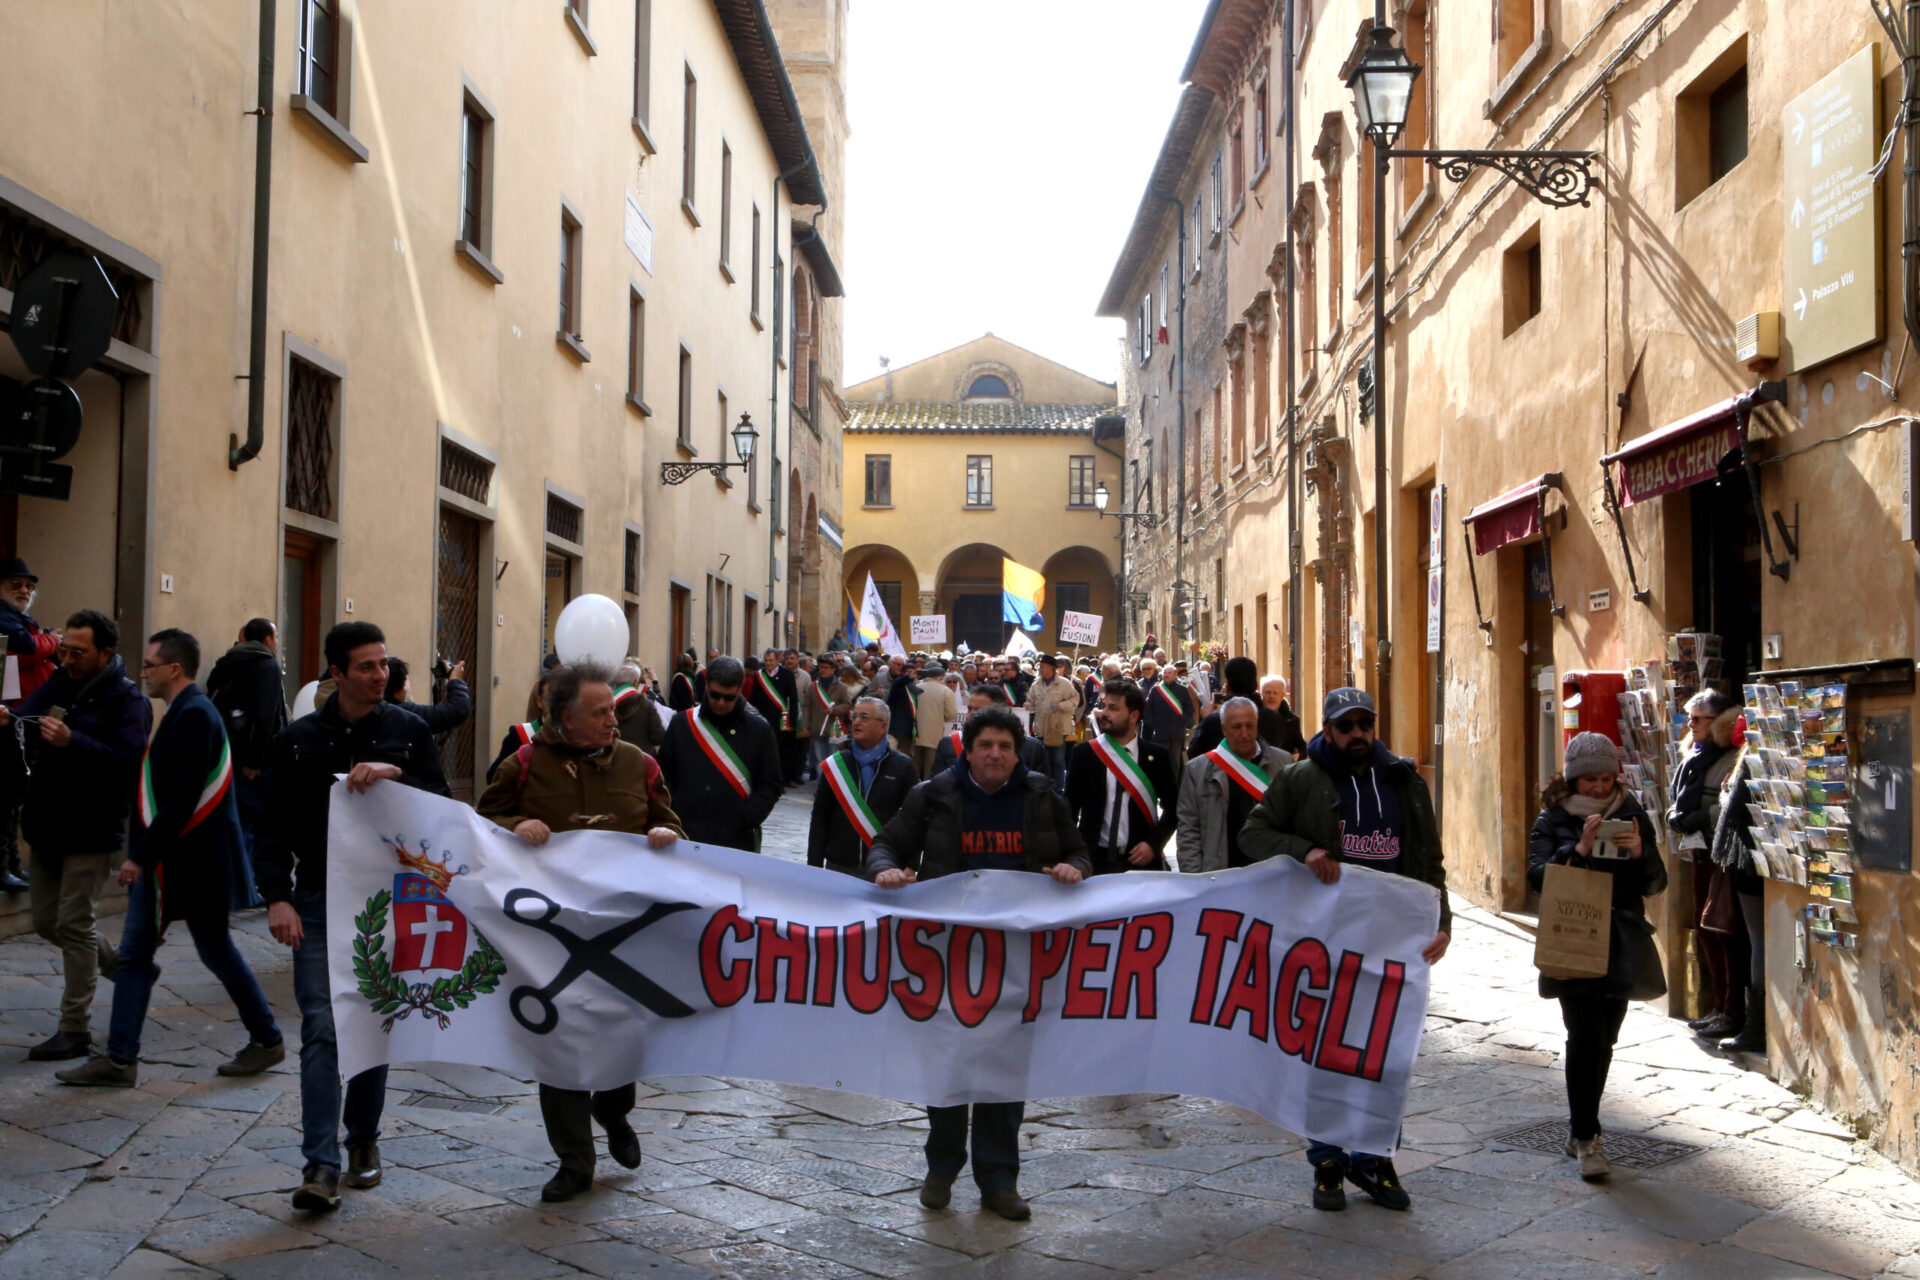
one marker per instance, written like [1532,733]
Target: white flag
[874,622]
[1020,646]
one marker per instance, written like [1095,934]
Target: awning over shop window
[1678,455]
[1514,515]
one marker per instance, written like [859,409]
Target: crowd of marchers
[926,765]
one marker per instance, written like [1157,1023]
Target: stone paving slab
[186,1177]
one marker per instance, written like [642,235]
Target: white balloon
[591,628]
[303,701]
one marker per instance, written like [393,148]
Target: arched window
[989,386]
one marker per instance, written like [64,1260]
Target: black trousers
[569,1115]
[793,754]
[996,1142]
[1593,1024]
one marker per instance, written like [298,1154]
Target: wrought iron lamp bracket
[1558,178]
[681,472]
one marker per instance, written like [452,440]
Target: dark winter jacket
[710,809]
[292,830]
[79,795]
[925,834]
[1729,847]
[1555,835]
[831,838]
[1301,813]
[30,644]
[193,831]
[447,714]
[640,723]
[1170,713]
[903,709]
[1695,789]
[246,684]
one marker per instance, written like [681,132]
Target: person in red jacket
[32,650]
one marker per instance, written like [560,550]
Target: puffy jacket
[1695,789]
[32,645]
[79,795]
[570,789]
[292,829]
[246,684]
[1555,835]
[1301,813]
[925,834]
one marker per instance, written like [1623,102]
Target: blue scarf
[869,761]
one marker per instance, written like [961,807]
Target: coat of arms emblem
[431,937]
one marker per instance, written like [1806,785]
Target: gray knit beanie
[1591,753]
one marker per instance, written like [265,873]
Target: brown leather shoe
[936,1192]
[1006,1202]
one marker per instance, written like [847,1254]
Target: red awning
[1510,517]
[1678,455]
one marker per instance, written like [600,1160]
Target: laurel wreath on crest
[395,998]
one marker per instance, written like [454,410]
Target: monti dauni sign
[1832,297]
[595,960]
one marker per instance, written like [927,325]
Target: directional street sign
[1833,287]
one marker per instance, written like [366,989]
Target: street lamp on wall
[744,438]
[1382,82]
[1102,496]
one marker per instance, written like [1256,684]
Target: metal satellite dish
[63,314]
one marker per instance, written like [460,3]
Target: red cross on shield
[430,932]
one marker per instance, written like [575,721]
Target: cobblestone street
[188,1174]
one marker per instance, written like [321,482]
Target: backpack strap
[523,754]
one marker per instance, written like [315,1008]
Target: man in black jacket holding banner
[861,787]
[722,764]
[1123,789]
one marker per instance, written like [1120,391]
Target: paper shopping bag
[1576,916]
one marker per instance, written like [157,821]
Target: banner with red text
[594,960]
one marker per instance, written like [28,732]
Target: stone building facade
[515,260]
[1588,401]
[982,452]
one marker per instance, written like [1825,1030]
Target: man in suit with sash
[187,861]
[722,765]
[1124,790]
[1221,787]
[861,787]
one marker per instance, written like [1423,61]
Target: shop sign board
[1832,299]
[1687,461]
[1436,586]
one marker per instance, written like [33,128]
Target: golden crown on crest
[440,873]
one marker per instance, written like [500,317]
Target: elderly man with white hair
[1273,692]
[862,786]
[1221,788]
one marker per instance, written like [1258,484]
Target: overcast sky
[998,153]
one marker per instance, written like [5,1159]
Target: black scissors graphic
[590,955]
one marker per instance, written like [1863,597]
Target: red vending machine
[1590,703]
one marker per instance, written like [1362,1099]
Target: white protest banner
[594,960]
[928,629]
[1079,628]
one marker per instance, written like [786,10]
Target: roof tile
[982,416]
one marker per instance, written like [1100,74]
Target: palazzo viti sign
[1832,301]
[595,960]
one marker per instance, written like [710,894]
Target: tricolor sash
[773,695]
[1251,777]
[624,693]
[688,680]
[1133,779]
[1170,700]
[955,738]
[212,791]
[820,695]
[714,743]
[844,779]
[1006,693]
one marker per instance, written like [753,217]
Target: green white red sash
[683,676]
[714,743]
[820,695]
[1252,779]
[624,693]
[955,738]
[219,780]
[773,695]
[1132,778]
[1005,693]
[1171,701]
[842,777]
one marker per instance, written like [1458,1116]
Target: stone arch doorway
[1080,579]
[893,574]
[967,591]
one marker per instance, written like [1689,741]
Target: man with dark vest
[188,861]
[861,787]
[722,764]
[986,813]
[1124,790]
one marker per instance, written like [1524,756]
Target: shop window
[1520,284]
[1710,125]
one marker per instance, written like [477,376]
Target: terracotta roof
[750,32]
[982,416]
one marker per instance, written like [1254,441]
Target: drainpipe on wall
[1179,459]
[238,453]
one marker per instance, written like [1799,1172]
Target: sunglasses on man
[1354,724]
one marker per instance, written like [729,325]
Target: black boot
[1752,1037]
[11,881]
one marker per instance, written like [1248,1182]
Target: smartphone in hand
[1610,828]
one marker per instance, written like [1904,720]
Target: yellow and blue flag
[1022,592]
[854,637]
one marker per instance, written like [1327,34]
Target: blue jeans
[321,1110]
[140,938]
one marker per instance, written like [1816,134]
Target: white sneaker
[1594,1164]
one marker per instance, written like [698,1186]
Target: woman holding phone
[1589,820]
